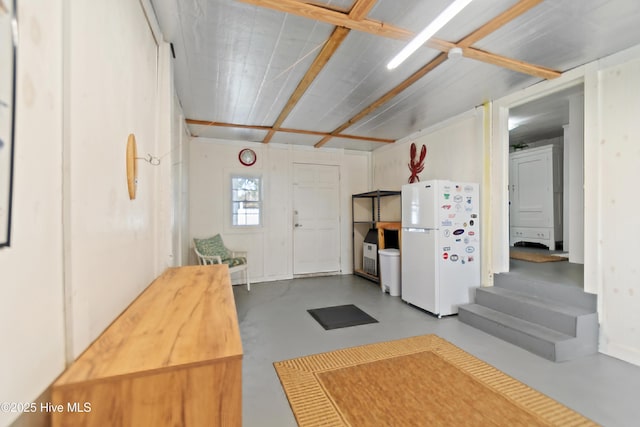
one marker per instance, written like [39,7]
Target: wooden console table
[173,357]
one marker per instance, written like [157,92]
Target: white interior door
[316,218]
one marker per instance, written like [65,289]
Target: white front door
[316,218]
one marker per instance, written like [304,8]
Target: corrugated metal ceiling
[239,64]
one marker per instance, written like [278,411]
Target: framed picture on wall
[8,43]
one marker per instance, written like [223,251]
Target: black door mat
[341,316]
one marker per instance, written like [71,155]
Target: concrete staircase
[555,321]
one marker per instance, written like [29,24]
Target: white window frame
[232,202]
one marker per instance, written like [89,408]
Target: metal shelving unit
[375,197]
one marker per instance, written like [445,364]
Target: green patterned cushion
[235,261]
[212,246]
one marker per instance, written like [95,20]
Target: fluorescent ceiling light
[424,35]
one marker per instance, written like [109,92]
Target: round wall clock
[247,156]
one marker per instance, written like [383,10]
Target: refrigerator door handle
[418,230]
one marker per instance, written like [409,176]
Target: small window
[246,201]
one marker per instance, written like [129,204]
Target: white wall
[114,246]
[270,247]
[180,186]
[454,152]
[617,159]
[573,156]
[31,306]
[90,73]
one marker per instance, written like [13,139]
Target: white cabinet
[535,196]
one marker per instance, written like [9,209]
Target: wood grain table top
[187,316]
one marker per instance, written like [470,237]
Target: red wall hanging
[416,166]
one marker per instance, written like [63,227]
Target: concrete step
[546,312]
[568,294]
[538,339]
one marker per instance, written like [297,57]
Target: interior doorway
[546,181]
[316,219]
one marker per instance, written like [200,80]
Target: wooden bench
[173,357]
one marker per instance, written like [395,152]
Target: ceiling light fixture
[454,53]
[514,122]
[424,35]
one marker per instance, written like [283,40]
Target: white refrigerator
[440,244]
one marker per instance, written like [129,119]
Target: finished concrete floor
[562,272]
[275,325]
